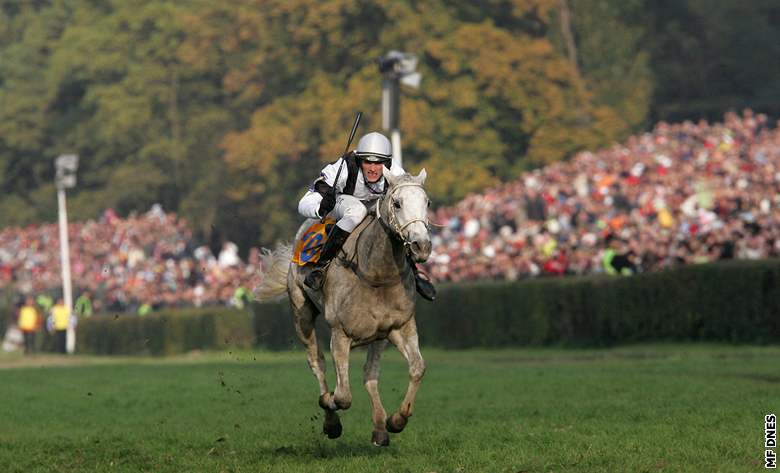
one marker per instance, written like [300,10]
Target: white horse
[368,298]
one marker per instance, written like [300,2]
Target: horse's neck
[379,255]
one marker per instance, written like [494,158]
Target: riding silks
[308,249]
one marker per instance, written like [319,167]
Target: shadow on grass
[325,449]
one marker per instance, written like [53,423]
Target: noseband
[392,222]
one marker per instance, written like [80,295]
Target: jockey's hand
[327,204]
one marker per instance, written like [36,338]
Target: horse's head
[404,209]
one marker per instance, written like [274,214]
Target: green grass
[641,408]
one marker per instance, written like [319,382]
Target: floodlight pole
[66,166]
[67,290]
[396,68]
[391,113]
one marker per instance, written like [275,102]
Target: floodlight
[412,80]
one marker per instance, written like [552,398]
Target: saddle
[307,249]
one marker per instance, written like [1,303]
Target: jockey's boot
[422,283]
[329,250]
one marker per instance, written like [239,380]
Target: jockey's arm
[309,204]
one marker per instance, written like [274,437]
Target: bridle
[392,222]
[394,229]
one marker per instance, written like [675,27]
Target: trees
[497,97]
[713,56]
[225,111]
[108,82]
[610,38]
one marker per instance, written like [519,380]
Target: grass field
[640,408]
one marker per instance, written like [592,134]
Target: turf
[641,408]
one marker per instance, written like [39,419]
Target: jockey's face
[372,172]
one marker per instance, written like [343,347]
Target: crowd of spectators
[145,261]
[681,194]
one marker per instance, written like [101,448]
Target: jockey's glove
[327,204]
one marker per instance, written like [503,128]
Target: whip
[358,116]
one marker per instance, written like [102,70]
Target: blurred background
[560,137]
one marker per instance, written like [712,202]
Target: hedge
[165,332]
[736,301]
[178,331]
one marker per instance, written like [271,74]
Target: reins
[354,264]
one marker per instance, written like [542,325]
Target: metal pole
[395,140]
[67,291]
[391,113]
[397,68]
[387,103]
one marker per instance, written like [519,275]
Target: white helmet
[374,147]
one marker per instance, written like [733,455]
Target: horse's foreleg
[405,339]
[371,382]
[340,345]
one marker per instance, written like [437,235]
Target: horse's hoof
[396,423]
[332,425]
[380,438]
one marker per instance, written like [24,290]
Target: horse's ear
[420,178]
[389,176]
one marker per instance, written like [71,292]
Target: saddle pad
[308,248]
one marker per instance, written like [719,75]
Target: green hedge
[166,332]
[274,326]
[737,301]
[178,331]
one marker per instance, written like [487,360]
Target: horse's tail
[276,265]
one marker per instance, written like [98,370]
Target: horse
[368,298]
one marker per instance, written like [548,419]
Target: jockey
[360,181]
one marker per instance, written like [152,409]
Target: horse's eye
[429,204]
[396,204]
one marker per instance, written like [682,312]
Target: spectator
[29,323]
[229,255]
[83,306]
[60,321]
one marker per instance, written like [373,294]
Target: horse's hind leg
[304,314]
[371,381]
[405,339]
